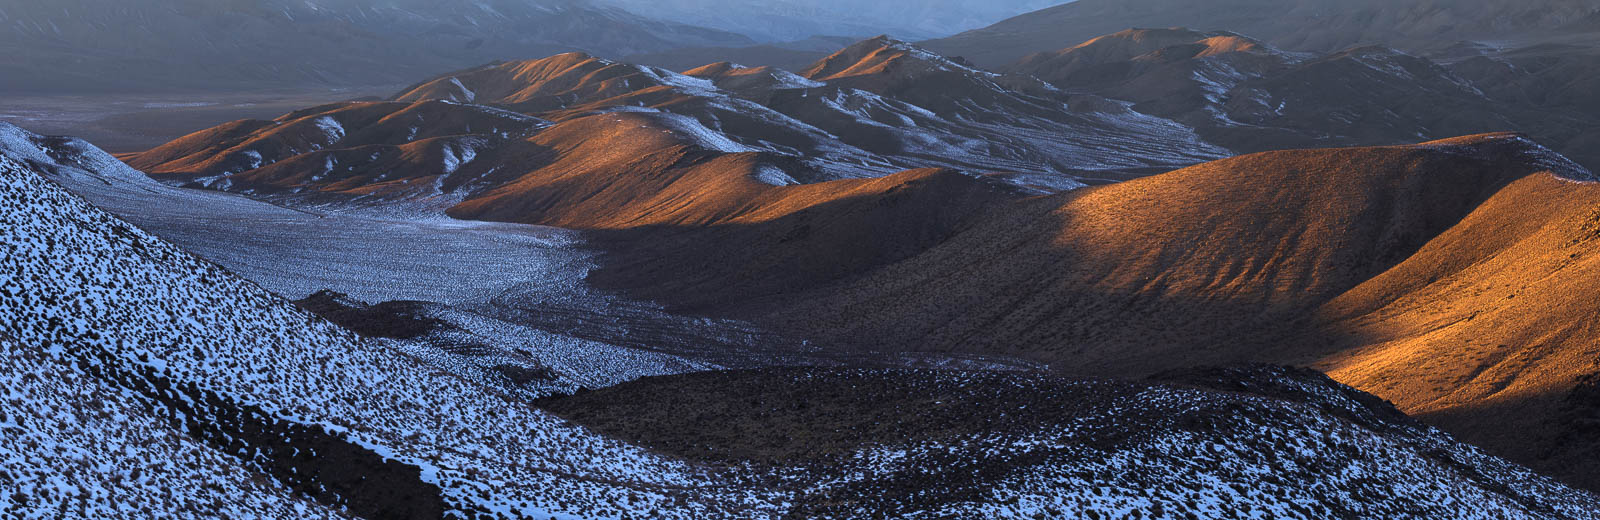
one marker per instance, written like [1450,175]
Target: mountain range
[1412,272]
[801,252]
[1300,259]
[875,108]
[1298,25]
[1145,274]
[326,423]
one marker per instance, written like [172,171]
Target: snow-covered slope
[80,446]
[1250,442]
[257,379]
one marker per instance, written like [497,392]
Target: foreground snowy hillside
[1250,442]
[232,366]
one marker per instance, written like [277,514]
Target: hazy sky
[796,19]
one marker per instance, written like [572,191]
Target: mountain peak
[882,55]
[1137,42]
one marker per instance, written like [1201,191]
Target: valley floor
[502,288]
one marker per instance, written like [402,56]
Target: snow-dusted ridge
[120,306]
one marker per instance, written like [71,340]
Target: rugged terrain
[516,138]
[725,192]
[1402,270]
[1303,262]
[258,407]
[1254,75]
[1249,96]
[1224,443]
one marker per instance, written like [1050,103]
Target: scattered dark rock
[396,319]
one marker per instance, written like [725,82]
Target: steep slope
[752,80]
[97,45]
[76,444]
[1264,236]
[1301,25]
[1487,329]
[541,85]
[1414,272]
[886,66]
[291,398]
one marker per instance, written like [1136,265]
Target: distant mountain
[1297,25]
[1555,72]
[96,45]
[785,20]
[1249,96]
[480,138]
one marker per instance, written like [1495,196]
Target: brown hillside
[1453,278]
[1488,328]
[887,66]
[1172,264]
[1116,58]
[249,144]
[541,85]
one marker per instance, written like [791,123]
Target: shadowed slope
[750,80]
[1169,59]
[1248,96]
[1414,272]
[1168,263]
